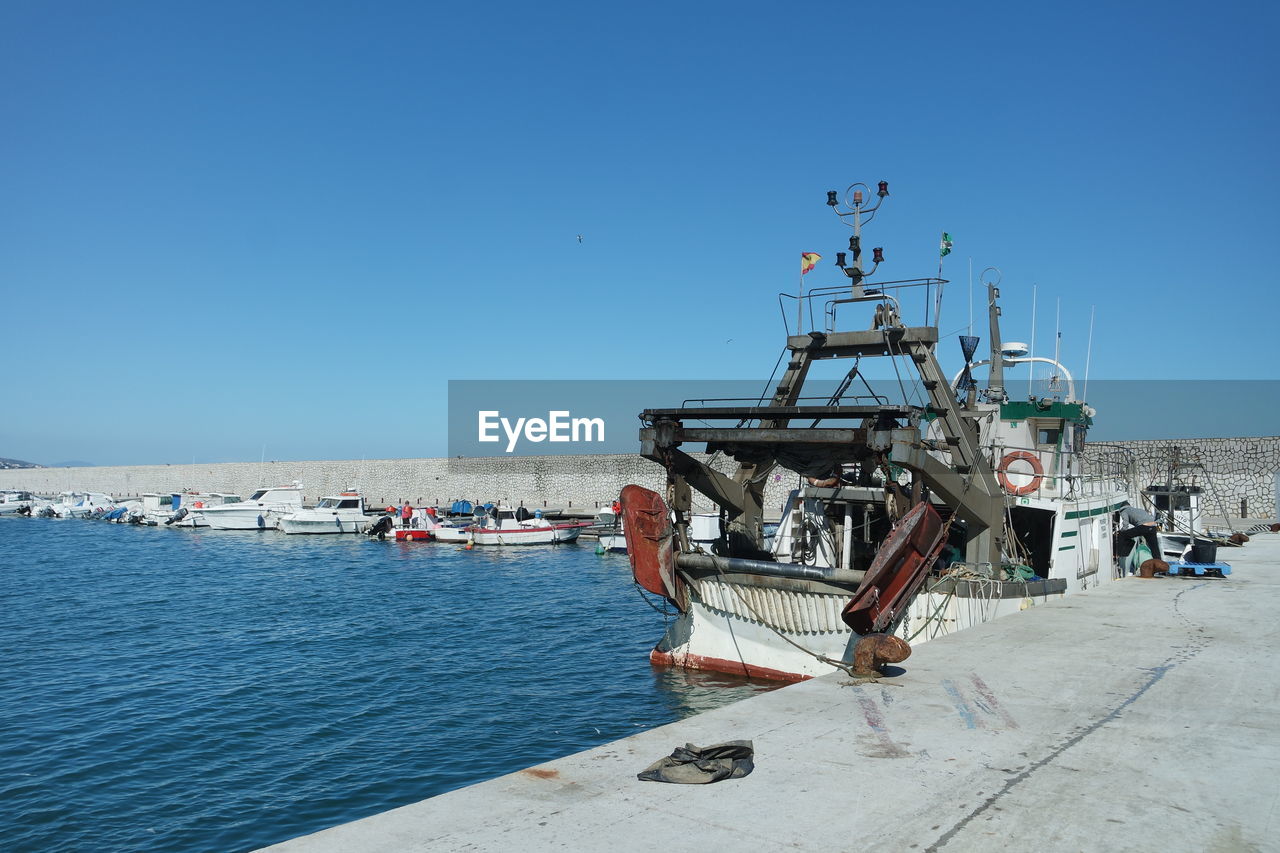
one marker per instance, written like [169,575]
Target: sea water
[193,689]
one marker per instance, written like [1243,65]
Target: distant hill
[17,463]
[71,464]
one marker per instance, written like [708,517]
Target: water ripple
[193,690]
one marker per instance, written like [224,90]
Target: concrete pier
[1141,716]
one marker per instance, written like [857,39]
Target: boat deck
[1140,716]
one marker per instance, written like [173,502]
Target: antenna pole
[800,303]
[1089,356]
[1032,363]
[995,374]
[1057,337]
[971,297]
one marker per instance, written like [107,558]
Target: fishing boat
[918,510]
[260,511]
[1178,507]
[342,513]
[518,526]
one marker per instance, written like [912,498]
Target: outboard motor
[177,516]
[523,514]
[381,527]
[48,512]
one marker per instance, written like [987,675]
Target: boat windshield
[257,494]
[327,503]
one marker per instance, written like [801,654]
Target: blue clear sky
[233,226]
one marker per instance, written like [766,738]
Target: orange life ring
[199,504]
[1010,458]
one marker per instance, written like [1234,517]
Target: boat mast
[995,374]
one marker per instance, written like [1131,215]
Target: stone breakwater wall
[564,482]
[1239,468]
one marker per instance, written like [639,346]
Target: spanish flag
[807,260]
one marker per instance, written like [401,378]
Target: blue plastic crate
[1216,570]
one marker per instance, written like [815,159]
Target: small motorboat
[260,511]
[518,526]
[16,503]
[342,513]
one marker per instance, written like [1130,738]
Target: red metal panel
[897,572]
[646,524]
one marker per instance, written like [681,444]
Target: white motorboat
[262,510]
[343,513]
[608,530]
[181,509]
[507,526]
[80,504]
[452,533]
[16,503]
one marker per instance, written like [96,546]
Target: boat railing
[886,294]
[1066,474]
[823,400]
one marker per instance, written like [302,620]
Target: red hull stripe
[730,667]
[490,531]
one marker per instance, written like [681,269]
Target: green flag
[944,248]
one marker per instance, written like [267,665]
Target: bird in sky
[579,238]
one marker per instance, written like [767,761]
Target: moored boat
[260,511]
[16,503]
[79,504]
[342,513]
[518,526]
[919,510]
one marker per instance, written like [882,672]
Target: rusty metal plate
[897,572]
[646,524]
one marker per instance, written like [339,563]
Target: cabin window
[349,504]
[327,503]
[257,494]
[1048,435]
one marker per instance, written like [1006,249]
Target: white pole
[1089,356]
[1057,333]
[800,299]
[1031,378]
[971,297]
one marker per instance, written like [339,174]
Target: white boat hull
[326,524]
[740,629]
[615,543]
[247,518]
[527,535]
[749,627]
